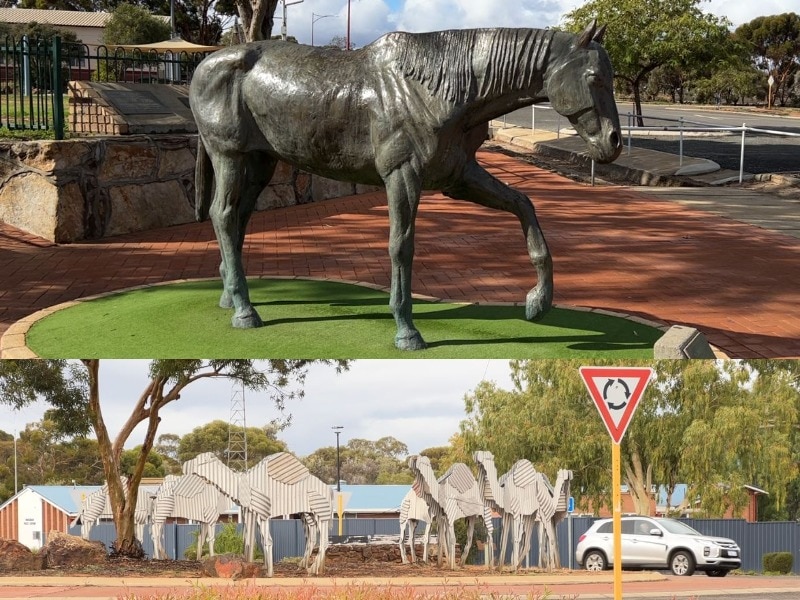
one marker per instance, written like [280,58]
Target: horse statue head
[580,86]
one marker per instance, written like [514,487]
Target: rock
[230,566]
[63,550]
[15,557]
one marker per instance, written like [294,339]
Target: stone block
[144,207]
[28,202]
[682,342]
[128,162]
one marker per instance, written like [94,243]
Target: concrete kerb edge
[13,341]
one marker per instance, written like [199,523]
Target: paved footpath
[578,586]
[613,247]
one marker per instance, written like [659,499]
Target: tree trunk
[257,18]
[637,101]
[639,482]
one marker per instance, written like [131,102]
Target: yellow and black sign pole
[616,499]
[616,392]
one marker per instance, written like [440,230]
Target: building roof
[58,18]
[374,498]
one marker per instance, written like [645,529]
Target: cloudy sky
[369,19]
[419,402]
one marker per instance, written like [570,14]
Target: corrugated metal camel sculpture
[513,497]
[187,497]
[278,485]
[97,505]
[414,509]
[458,497]
[552,508]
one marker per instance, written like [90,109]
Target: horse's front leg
[226,219]
[403,188]
[478,186]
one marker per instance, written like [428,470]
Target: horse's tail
[203,182]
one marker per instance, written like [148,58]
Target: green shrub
[777,562]
[228,541]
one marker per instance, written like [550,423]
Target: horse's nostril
[615,140]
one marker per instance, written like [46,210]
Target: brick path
[613,248]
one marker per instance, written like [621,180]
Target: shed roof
[374,498]
[63,18]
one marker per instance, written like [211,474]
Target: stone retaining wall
[81,189]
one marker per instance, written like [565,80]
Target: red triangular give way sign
[616,392]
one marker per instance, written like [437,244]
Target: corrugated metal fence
[755,539]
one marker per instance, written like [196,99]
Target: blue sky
[369,19]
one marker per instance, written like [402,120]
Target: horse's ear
[587,35]
[600,33]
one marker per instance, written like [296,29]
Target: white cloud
[369,19]
[419,402]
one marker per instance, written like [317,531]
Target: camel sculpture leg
[408,527]
[427,540]
[202,536]
[478,186]
[468,544]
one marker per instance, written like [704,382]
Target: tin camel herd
[281,485]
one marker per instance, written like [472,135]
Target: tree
[73,390]
[134,25]
[715,426]
[257,16]
[645,34]
[213,437]
[362,462]
[774,45]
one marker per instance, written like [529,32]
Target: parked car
[651,543]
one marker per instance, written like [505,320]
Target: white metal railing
[698,127]
[695,127]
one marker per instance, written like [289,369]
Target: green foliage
[642,36]
[774,44]
[730,85]
[213,437]
[134,25]
[777,562]
[228,541]
[362,462]
[714,426]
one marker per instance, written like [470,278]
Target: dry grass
[344,592]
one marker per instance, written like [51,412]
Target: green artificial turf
[316,319]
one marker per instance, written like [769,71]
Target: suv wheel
[595,561]
[682,563]
[717,572]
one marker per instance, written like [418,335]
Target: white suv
[657,544]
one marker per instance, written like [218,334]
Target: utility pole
[283,27]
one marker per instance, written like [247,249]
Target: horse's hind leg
[403,188]
[480,187]
[229,198]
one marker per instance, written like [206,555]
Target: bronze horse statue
[407,112]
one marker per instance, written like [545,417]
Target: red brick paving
[613,248]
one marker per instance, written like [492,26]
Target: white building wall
[30,519]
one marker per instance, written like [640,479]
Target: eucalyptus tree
[646,34]
[213,437]
[715,426]
[773,42]
[72,388]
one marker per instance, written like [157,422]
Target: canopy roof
[176,44]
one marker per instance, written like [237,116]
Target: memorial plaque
[129,102]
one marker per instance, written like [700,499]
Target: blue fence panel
[288,537]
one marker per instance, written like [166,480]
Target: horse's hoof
[248,320]
[225,300]
[537,304]
[411,341]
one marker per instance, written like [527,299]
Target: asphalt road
[763,153]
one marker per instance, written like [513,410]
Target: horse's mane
[443,60]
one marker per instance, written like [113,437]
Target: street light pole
[16,487]
[314,18]
[337,429]
[283,27]
[348,25]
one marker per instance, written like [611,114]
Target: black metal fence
[35,76]
[755,539]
